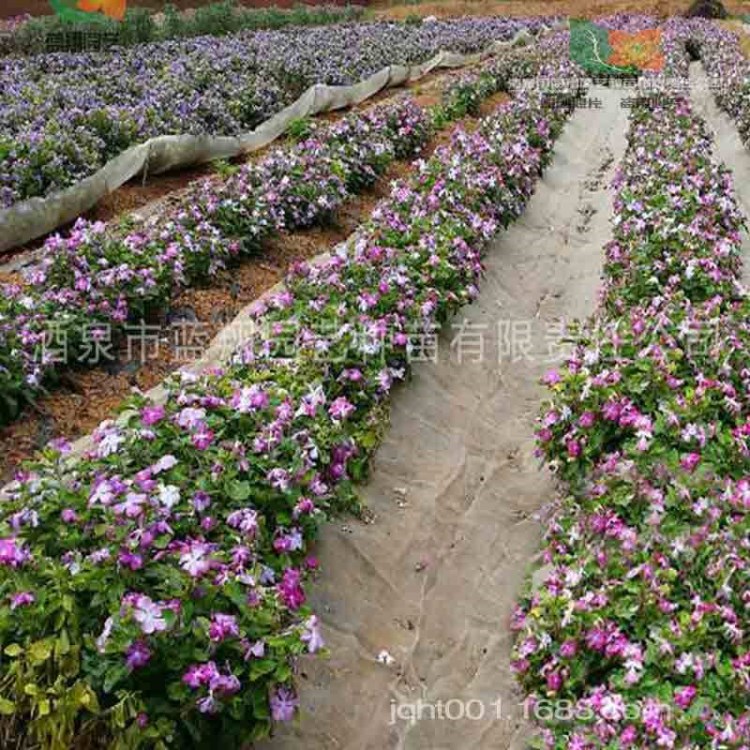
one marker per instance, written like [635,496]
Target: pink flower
[568,649]
[341,408]
[223,626]
[573,447]
[249,399]
[290,589]
[690,461]
[554,681]
[683,697]
[202,439]
[150,415]
[12,553]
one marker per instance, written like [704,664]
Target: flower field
[89,284]
[62,120]
[639,625]
[155,586]
[91,281]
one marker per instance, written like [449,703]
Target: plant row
[153,592]
[141,25]
[90,283]
[720,52]
[637,634]
[63,116]
[93,282]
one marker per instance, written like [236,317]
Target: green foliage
[300,128]
[224,169]
[72,30]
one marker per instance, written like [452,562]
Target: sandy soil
[432,575]
[728,147]
[576,8]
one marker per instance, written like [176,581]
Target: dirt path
[433,578]
[728,147]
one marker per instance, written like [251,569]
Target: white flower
[169,495]
[149,616]
[385,658]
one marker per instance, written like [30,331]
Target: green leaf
[39,652]
[7,708]
[239,490]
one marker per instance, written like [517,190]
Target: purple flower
[12,553]
[284,703]
[201,501]
[137,655]
[245,520]
[690,461]
[278,479]
[149,615]
[255,650]
[151,415]
[290,589]
[249,399]
[223,626]
[312,635]
[21,599]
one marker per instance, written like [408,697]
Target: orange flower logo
[641,49]
[112,8]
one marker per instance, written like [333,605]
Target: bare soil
[575,8]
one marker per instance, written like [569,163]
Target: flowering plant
[63,115]
[155,588]
[639,623]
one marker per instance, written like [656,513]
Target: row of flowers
[637,634]
[721,54]
[88,284]
[62,116]
[153,591]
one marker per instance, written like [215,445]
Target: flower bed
[91,283]
[728,69]
[154,590]
[636,636]
[62,116]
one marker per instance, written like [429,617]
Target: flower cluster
[157,585]
[728,68]
[639,625]
[62,116]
